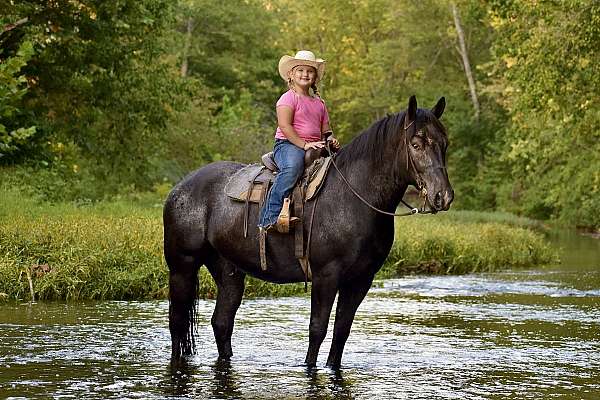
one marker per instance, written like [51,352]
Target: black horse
[349,244]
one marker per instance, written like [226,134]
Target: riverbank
[113,250]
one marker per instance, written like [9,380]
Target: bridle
[421,187]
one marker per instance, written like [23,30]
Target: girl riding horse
[302,118]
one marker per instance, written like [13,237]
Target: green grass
[107,250]
[465,242]
[491,217]
[113,250]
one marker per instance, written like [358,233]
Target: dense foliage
[104,98]
[547,74]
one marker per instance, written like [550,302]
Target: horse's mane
[383,133]
[370,141]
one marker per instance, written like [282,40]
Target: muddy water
[526,334]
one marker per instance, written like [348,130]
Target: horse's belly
[228,239]
[280,268]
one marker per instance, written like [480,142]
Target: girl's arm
[285,116]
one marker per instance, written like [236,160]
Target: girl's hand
[334,143]
[313,145]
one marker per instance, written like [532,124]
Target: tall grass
[465,242]
[108,250]
[504,218]
[113,250]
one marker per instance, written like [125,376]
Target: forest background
[109,99]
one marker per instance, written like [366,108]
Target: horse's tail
[183,317]
[187,248]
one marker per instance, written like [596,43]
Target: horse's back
[202,183]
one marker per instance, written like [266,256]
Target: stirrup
[283,225]
[283,220]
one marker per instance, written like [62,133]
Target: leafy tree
[12,88]
[102,85]
[231,47]
[547,71]
[242,131]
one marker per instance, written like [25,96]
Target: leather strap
[306,258]
[262,240]
[247,210]
[247,201]
[264,192]
[298,196]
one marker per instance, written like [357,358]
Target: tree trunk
[186,47]
[10,27]
[465,59]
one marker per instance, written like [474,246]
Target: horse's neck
[377,180]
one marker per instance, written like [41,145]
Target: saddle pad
[238,185]
[316,177]
[239,188]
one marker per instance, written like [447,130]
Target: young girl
[301,118]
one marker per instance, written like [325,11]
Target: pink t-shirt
[309,115]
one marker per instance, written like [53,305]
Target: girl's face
[304,76]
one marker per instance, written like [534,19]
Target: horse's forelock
[426,117]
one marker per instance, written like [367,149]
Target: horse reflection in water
[182,375]
[225,382]
[228,384]
[349,244]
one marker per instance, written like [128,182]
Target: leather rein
[423,190]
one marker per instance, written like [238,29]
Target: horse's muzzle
[442,200]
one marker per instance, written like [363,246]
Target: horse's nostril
[438,199]
[447,198]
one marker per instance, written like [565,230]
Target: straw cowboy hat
[303,57]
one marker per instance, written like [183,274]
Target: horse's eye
[415,146]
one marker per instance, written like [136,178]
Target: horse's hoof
[310,366]
[334,366]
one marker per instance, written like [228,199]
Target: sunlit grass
[113,250]
[465,242]
[108,250]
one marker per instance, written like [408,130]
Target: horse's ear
[438,109]
[411,113]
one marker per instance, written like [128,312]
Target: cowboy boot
[284,221]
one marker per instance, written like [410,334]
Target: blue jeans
[290,161]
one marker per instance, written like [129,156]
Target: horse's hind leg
[230,289]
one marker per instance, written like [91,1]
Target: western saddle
[252,183]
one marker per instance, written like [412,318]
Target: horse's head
[425,143]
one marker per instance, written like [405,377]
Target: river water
[526,334]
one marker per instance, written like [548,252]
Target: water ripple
[508,335]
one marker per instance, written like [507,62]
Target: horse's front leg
[324,289]
[351,295]
[230,290]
